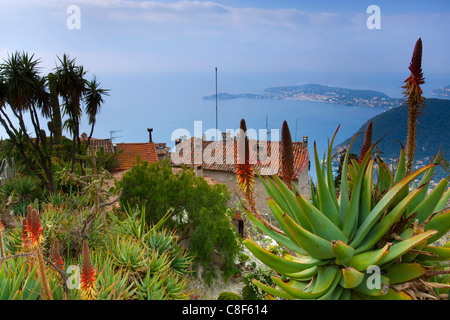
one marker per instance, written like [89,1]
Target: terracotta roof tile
[96,144]
[229,155]
[127,158]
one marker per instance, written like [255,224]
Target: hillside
[432,132]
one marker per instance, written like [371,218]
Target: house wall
[230,180]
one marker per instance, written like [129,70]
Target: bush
[199,211]
[228,296]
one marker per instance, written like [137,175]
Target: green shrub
[199,211]
[228,296]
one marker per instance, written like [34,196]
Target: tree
[199,210]
[71,85]
[93,100]
[24,91]
[55,126]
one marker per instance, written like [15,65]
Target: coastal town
[320,93]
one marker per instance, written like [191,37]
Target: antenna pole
[217,125]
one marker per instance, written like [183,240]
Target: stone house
[216,160]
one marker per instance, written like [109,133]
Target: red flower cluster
[88,275]
[31,229]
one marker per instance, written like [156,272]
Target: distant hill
[432,132]
[443,92]
[317,92]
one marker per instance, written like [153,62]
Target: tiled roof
[161,148]
[96,144]
[229,155]
[127,158]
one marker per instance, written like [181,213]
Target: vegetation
[26,97]
[228,296]
[199,211]
[373,231]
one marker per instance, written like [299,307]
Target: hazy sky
[120,41]
[119,36]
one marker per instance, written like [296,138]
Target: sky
[119,39]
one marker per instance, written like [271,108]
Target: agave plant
[164,285]
[129,254]
[112,283]
[373,239]
[165,241]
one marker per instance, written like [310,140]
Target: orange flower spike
[244,170]
[287,155]
[33,228]
[367,143]
[88,276]
[25,240]
[56,257]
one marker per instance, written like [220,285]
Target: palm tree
[56,122]
[71,85]
[93,100]
[25,92]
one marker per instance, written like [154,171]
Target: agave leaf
[325,277]
[443,202]
[392,295]
[285,200]
[441,224]
[326,203]
[277,213]
[351,277]
[382,205]
[343,195]
[403,272]
[373,289]
[400,171]
[281,239]
[295,212]
[320,223]
[272,291]
[351,220]
[428,205]
[365,205]
[440,253]
[316,246]
[314,199]
[402,247]
[329,173]
[275,262]
[296,293]
[304,275]
[380,229]
[343,252]
[334,290]
[368,258]
[385,178]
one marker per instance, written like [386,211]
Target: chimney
[150,134]
[305,141]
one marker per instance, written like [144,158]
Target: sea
[172,104]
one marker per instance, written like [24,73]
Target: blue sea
[166,102]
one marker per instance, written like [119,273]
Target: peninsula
[321,93]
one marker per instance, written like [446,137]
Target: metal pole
[217,125]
